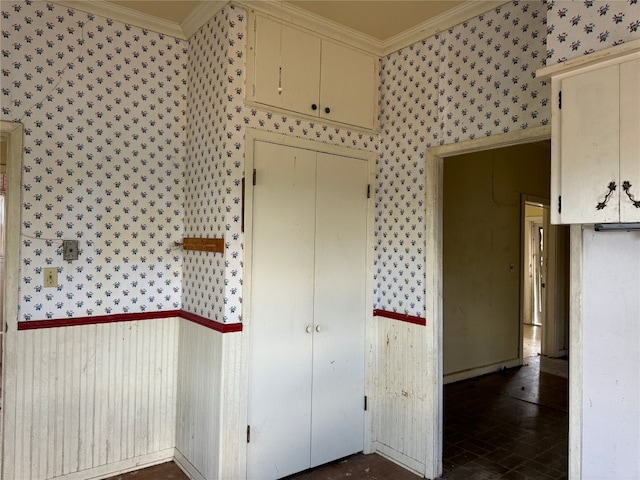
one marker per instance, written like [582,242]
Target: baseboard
[186,466]
[123,466]
[476,372]
[401,459]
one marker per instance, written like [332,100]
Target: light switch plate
[50,279]
[70,249]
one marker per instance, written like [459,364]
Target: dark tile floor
[511,425]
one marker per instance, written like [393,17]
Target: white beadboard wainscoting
[211,411]
[198,407]
[401,403]
[401,406]
[89,401]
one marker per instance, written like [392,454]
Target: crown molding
[201,16]
[125,15]
[438,24]
[302,18]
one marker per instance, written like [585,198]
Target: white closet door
[282,309]
[337,427]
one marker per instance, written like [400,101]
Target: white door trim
[11,133]
[433,301]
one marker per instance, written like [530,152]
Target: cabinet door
[287,67]
[630,140]
[589,146]
[281,310]
[348,85]
[337,427]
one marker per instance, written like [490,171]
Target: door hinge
[365,403]
[560,100]
[559,203]
[369,191]
[248,433]
[242,206]
[255,176]
[255,24]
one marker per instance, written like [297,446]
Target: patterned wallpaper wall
[577,28]
[107,152]
[103,107]
[216,159]
[474,80]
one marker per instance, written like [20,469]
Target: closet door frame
[370,352]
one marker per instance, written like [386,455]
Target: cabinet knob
[309,329]
[314,106]
[318,328]
[327,110]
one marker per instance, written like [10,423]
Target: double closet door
[307,327]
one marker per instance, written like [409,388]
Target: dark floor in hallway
[507,425]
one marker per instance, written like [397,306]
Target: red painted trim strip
[130,317]
[212,324]
[400,316]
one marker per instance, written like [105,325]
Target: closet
[308,258]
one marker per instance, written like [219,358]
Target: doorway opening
[437,159]
[533,279]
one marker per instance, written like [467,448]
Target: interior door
[282,310]
[337,427]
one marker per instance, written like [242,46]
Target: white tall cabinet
[307,309]
[595,175]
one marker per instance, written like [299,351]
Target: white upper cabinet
[595,174]
[298,71]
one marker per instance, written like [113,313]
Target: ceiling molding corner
[201,15]
[438,24]
[310,21]
[125,15]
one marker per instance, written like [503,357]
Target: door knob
[309,329]
[318,328]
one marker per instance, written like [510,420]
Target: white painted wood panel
[348,85]
[81,401]
[630,139]
[287,67]
[402,393]
[280,358]
[337,420]
[198,404]
[589,146]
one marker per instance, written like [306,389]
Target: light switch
[50,279]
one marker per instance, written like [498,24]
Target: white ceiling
[381,23]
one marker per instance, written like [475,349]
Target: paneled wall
[198,400]
[400,405]
[94,399]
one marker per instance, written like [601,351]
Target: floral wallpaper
[134,140]
[476,79]
[103,108]
[577,28]
[216,143]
